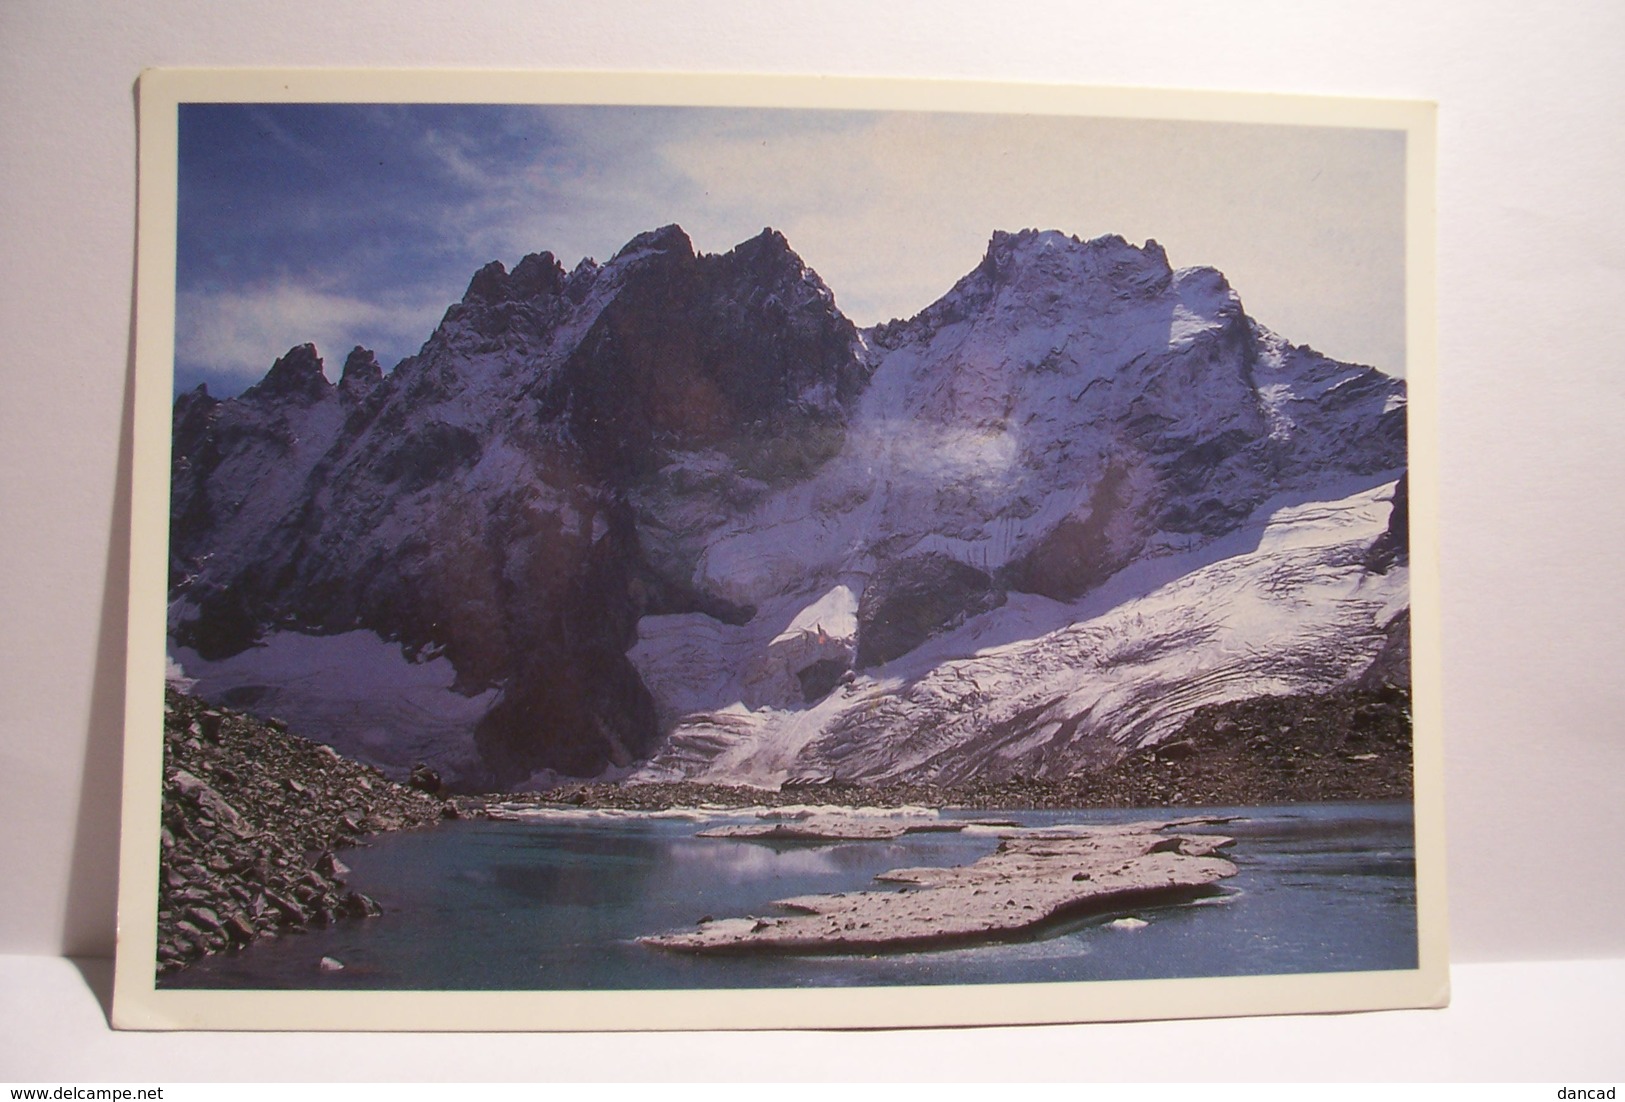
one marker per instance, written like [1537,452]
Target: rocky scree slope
[252,819]
[676,510]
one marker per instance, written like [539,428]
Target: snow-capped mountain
[675,516]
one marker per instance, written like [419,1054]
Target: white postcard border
[139,1004]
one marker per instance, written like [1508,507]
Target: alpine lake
[558,903]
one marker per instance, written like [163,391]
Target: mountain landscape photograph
[667,548]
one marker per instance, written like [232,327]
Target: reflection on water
[558,904]
[754,861]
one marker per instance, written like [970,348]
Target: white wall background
[1531,326]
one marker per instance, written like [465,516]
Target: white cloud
[1306,222]
[240,332]
[890,208]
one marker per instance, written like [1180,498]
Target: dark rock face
[704,351]
[1394,545]
[476,501]
[820,679]
[430,454]
[251,817]
[909,600]
[1391,669]
[1081,552]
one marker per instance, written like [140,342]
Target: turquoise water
[487,905]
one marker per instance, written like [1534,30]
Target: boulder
[425,779]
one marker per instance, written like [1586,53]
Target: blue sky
[349,224]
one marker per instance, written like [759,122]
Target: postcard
[672,552]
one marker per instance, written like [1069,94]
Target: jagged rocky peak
[361,372]
[581,279]
[767,256]
[528,574]
[666,239]
[502,309]
[1041,271]
[298,376]
[189,403]
[769,241]
[765,271]
[755,269]
[700,351]
[680,452]
[1029,258]
[489,284]
[535,275]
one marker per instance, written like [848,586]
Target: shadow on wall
[90,917]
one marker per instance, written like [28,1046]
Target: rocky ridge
[476,502]
[253,820]
[673,516]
